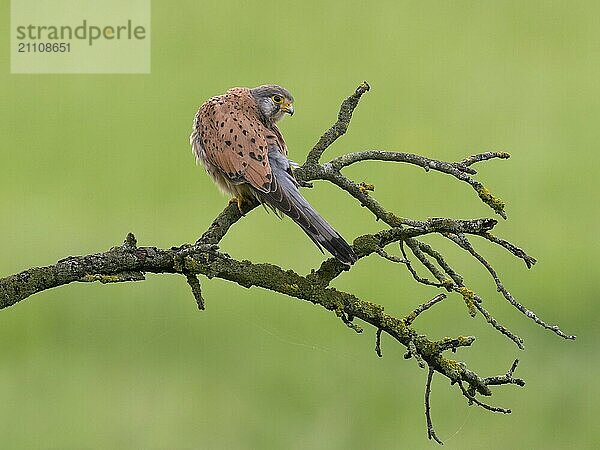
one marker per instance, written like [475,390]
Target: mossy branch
[129,262]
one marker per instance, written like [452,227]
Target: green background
[88,158]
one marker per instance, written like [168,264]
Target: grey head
[273,101]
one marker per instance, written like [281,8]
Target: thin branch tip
[378,343]
[130,242]
[430,430]
[340,126]
[196,288]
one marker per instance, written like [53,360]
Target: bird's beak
[288,108]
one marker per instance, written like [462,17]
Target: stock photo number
[44,47]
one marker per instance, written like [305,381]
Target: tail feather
[285,197]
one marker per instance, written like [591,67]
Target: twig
[392,258]
[220,226]
[483,157]
[453,274]
[413,272]
[426,163]
[497,325]
[507,378]
[194,283]
[430,430]
[378,342]
[414,246]
[518,252]
[423,307]
[340,127]
[472,399]
[462,241]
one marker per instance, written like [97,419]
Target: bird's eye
[277,99]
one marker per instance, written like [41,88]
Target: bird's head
[273,101]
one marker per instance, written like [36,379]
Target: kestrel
[236,138]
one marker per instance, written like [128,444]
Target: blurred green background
[88,158]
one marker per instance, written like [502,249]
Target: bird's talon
[239,202]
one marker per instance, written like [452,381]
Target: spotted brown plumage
[235,137]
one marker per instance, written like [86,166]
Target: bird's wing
[234,139]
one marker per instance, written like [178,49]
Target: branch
[128,262]
[111,264]
[340,127]
[430,431]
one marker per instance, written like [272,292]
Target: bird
[235,137]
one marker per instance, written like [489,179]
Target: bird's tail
[324,235]
[285,197]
